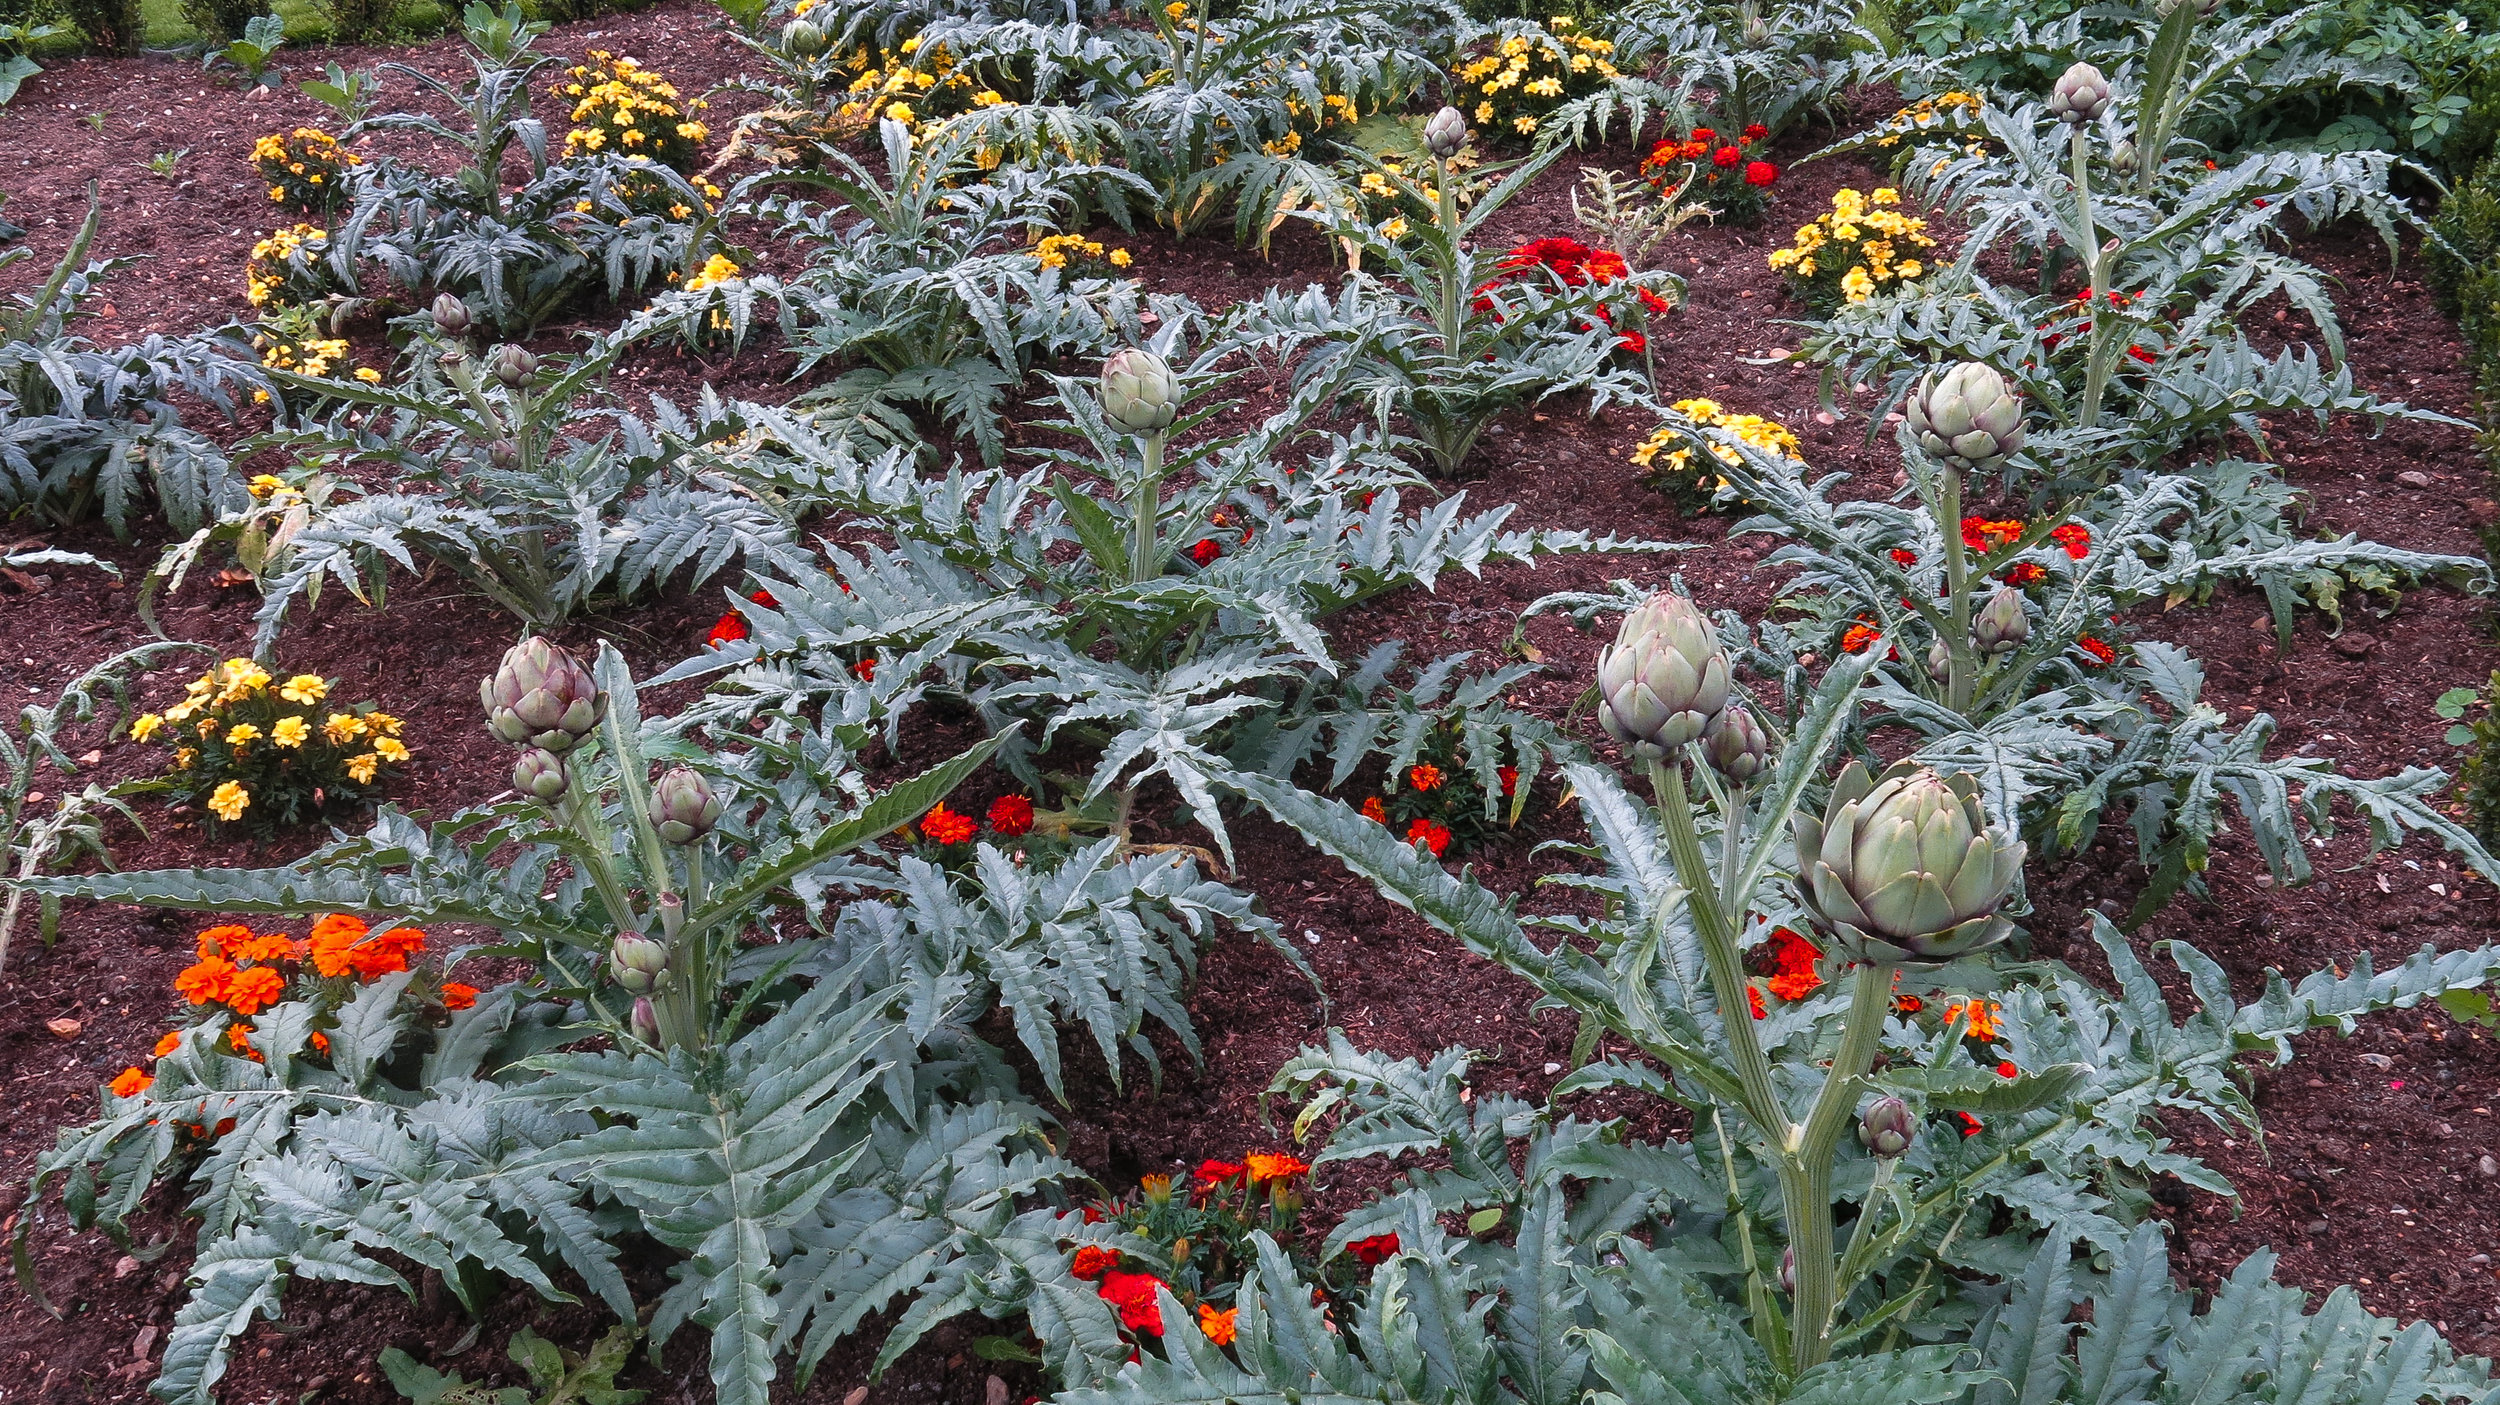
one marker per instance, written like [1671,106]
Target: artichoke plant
[1969,417]
[1664,679]
[683,807]
[2001,627]
[2081,96]
[541,696]
[1139,393]
[1906,870]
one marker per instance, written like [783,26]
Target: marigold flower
[1205,551]
[343,727]
[1424,777]
[1856,637]
[1011,815]
[305,688]
[289,732]
[254,989]
[1980,534]
[2023,573]
[144,726]
[1982,1015]
[1755,131]
[1509,776]
[728,629]
[1134,1295]
[2102,654]
[1971,1126]
[1213,1172]
[1901,556]
[1265,1166]
[319,1041]
[242,734]
[360,769]
[229,801]
[944,826]
[390,749]
[1374,1250]
[1760,173]
[131,1082]
[1219,1326]
[2075,537]
[1093,1261]
[167,1045]
[457,996]
[1374,811]
[270,949]
[217,941]
[1431,834]
[1726,157]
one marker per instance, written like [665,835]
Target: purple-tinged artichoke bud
[504,454]
[540,776]
[1664,678]
[451,315]
[1445,133]
[1736,746]
[1887,1127]
[2081,96]
[2123,158]
[514,366]
[1788,1271]
[636,961]
[1138,391]
[1969,417]
[541,696]
[803,39]
[1939,661]
[1906,870]
[2001,626]
[646,1021]
[683,807]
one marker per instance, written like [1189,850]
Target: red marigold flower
[1760,173]
[1726,157]
[1372,1251]
[1213,1172]
[205,980]
[728,629]
[1980,534]
[1424,777]
[248,992]
[1653,304]
[1605,265]
[131,1082]
[944,826]
[1205,551]
[866,669]
[1134,1295]
[1633,342]
[2023,573]
[1704,135]
[1374,811]
[1855,638]
[1907,1004]
[1093,1261]
[458,996]
[1660,152]
[2075,537]
[319,1041]
[1755,131]
[1695,149]
[1753,997]
[1510,778]
[1902,556]
[1970,1125]
[2102,654]
[765,597]
[1265,1166]
[2006,1069]
[1011,815]
[2140,354]
[1220,1327]
[1432,834]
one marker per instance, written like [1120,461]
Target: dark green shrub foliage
[221,20]
[111,26]
[361,21]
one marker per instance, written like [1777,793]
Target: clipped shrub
[111,26]
[217,21]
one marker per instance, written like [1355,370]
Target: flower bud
[683,807]
[1887,1127]
[1138,391]
[2081,96]
[2001,627]
[1736,746]
[504,454]
[1788,1271]
[2122,158]
[1664,678]
[1969,417]
[1445,133]
[451,315]
[540,775]
[646,1021]
[1939,661]
[1906,870]
[541,696]
[636,961]
[514,366]
[802,39]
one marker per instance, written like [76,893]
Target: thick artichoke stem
[2096,263]
[1145,509]
[1809,1207]
[1957,585]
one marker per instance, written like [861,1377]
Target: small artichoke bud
[2001,627]
[636,961]
[504,454]
[1663,679]
[1736,746]
[1445,133]
[1887,1127]
[1906,870]
[1939,661]
[451,315]
[802,39]
[1788,1271]
[646,1021]
[683,807]
[2122,158]
[1969,417]
[1138,391]
[514,366]
[541,696]
[540,776]
[2081,96]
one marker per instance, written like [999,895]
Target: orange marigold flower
[1753,997]
[274,947]
[2075,537]
[166,1045]
[1218,1326]
[130,1083]
[2102,654]
[1374,811]
[1424,777]
[457,996]
[944,826]
[205,981]
[239,1039]
[221,941]
[2023,573]
[1274,1166]
[1980,534]
[1855,638]
[1093,1261]
[255,989]
[339,928]
[1983,1017]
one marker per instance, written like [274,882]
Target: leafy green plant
[164,163]
[250,51]
[16,65]
[282,752]
[556,1376]
[349,93]
[2478,776]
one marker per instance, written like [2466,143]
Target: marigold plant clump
[1667,456]
[1076,254]
[620,106]
[267,753]
[1507,92]
[1864,246]
[910,85]
[305,168]
[1727,173]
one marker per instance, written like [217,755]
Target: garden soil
[2377,1167]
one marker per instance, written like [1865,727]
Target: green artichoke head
[2000,626]
[1664,679]
[2123,158]
[1886,1127]
[541,696]
[683,807]
[636,961]
[1969,417]
[2080,96]
[1445,133]
[1139,393]
[451,315]
[540,776]
[1905,870]
[645,1020]
[513,366]
[1736,746]
[803,39]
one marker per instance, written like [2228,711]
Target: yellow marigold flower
[304,688]
[391,750]
[230,801]
[184,756]
[383,723]
[368,375]
[1120,258]
[144,726]
[1484,112]
[361,768]
[898,112]
[1524,123]
[242,734]
[289,732]
[343,727]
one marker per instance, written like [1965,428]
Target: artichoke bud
[1905,870]
[2122,158]
[1788,1271]
[541,696]
[1939,661]
[2001,626]
[451,315]
[1887,1127]
[1445,133]
[636,961]
[540,776]
[803,39]
[1969,417]
[1138,391]
[683,807]
[2081,96]
[1736,746]
[646,1021]
[514,366]
[504,454]
[1664,678]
